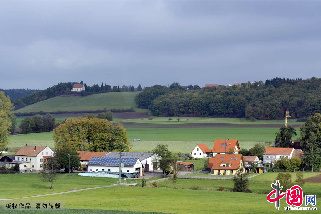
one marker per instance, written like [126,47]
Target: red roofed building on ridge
[273,154]
[78,87]
[223,146]
[201,151]
[226,164]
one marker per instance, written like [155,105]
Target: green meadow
[119,100]
[186,196]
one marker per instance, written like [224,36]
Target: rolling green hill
[114,100]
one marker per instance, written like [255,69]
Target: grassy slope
[94,102]
[198,195]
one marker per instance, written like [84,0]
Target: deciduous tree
[5,120]
[311,141]
[284,136]
[91,134]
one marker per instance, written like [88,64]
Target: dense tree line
[37,124]
[257,100]
[17,93]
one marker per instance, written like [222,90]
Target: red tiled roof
[30,150]
[186,163]
[222,145]
[86,156]
[298,153]
[204,148]
[249,158]
[211,85]
[233,160]
[77,85]
[277,151]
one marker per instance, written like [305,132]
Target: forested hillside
[257,100]
[17,93]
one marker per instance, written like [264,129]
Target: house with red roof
[85,156]
[78,87]
[226,164]
[201,151]
[253,164]
[273,154]
[32,158]
[226,146]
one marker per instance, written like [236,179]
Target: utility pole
[287,114]
[69,163]
[119,167]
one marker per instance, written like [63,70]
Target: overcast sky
[150,42]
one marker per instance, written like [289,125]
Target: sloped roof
[204,148]
[249,158]
[86,156]
[298,153]
[185,163]
[233,160]
[278,151]
[77,85]
[140,155]
[223,145]
[104,161]
[30,150]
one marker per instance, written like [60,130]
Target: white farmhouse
[149,160]
[201,151]
[31,158]
[130,166]
[273,154]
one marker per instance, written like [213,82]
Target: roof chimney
[35,148]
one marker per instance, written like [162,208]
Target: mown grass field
[186,196]
[119,100]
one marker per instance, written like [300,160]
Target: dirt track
[315,179]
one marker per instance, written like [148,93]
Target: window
[103,169]
[18,158]
[232,158]
[197,149]
[25,166]
[232,171]
[200,153]
[235,158]
[108,170]
[30,159]
[33,166]
[22,159]
[223,144]
[222,158]
[96,170]
[227,165]
[91,170]
[127,170]
[40,165]
[41,160]
[194,153]
[46,153]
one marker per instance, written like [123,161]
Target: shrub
[154,184]
[285,180]
[221,189]
[241,182]
[299,178]
[143,182]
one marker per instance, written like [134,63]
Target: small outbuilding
[185,166]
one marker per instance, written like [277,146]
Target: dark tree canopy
[284,136]
[311,141]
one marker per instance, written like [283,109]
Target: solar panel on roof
[111,161]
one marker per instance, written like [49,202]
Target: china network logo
[294,197]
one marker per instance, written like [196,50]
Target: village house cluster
[224,157]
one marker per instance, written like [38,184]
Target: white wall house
[31,158]
[148,160]
[111,165]
[78,87]
[273,154]
[201,151]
